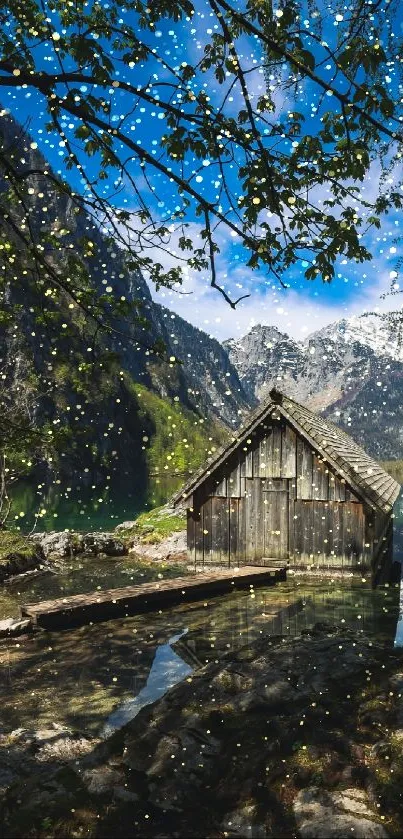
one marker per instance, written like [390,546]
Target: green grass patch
[155,525]
[13,543]
[181,441]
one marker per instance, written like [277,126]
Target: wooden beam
[79,609]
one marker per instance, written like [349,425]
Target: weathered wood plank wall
[275,497]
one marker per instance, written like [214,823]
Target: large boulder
[58,543]
[174,547]
[67,544]
[103,543]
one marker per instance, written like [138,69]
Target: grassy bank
[154,526]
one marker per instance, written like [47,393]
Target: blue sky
[299,310]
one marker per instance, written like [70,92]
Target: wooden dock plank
[120,602]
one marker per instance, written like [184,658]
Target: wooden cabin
[290,489]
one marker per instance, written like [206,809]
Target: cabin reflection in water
[240,620]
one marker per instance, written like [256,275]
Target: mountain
[351,370]
[377,332]
[212,380]
[370,401]
[264,357]
[110,418]
[126,420]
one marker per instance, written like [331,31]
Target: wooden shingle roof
[365,476]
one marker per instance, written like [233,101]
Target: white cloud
[294,311]
[291,311]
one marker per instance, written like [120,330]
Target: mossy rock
[17,555]
[13,543]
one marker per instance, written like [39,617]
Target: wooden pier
[80,609]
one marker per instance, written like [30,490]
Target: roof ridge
[333,443]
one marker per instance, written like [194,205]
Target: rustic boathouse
[290,489]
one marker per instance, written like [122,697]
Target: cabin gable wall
[276,499]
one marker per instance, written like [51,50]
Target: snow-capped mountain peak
[378,332]
[352,370]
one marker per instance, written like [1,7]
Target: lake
[87,508]
[96,678]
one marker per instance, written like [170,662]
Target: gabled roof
[366,477]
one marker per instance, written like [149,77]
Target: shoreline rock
[68,544]
[157,535]
[173,547]
[11,627]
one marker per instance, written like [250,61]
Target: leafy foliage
[181,441]
[267,165]
[152,148]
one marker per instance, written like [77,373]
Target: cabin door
[275,518]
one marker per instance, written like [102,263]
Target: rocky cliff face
[211,379]
[99,422]
[263,358]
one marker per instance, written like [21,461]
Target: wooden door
[275,518]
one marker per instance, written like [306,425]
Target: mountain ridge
[102,427]
[351,370]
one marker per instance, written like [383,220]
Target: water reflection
[167,670]
[90,508]
[97,675]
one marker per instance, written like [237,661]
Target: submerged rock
[228,750]
[320,814]
[63,748]
[55,744]
[242,823]
[264,742]
[101,780]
